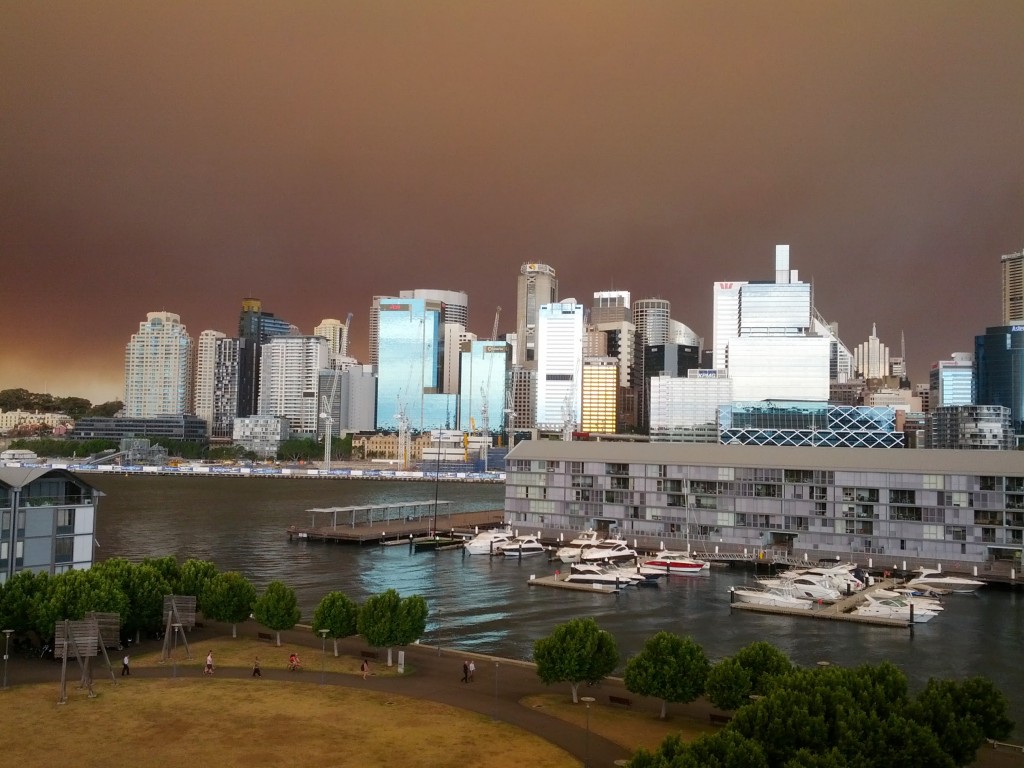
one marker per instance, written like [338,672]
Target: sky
[182,156]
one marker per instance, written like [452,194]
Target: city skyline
[165,159]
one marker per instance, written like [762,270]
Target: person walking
[256,668]
[472,670]
[209,664]
[125,669]
[465,671]
[365,668]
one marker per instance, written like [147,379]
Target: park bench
[719,719]
[622,701]
[265,636]
[370,655]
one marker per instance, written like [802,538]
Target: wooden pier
[385,524]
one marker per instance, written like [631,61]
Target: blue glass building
[410,364]
[482,381]
[999,361]
[808,424]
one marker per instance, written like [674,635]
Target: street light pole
[588,700]
[496,666]
[323,656]
[7,651]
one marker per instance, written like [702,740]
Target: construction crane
[327,414]
[403,435]
[343,351]
[510,416]
[494,329]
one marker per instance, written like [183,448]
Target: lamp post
[7,651]
[496,666]
[323,656]
[588,700]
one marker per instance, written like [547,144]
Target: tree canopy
[229,597]
[338,615]
[670,667]
[386,620]
[277,608]
[575,652]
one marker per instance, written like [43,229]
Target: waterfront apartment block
[47,521]
[963,508]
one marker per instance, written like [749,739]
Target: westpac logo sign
[725,286]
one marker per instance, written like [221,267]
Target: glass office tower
[999,359]
[410,359]
[482,389]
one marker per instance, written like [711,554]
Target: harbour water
[486,605]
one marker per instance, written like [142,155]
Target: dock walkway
[395,528]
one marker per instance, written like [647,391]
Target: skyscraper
[559,359]
[206,362]
[999,363]
[1013,287]
[290,381]
[255,328]
[951,382]
[482,391]
[537,286]
[872,357]
[158,368]
[410,366]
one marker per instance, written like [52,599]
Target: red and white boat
[676,562]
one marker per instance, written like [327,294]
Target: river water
[486,605]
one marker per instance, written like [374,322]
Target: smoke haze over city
[181,157]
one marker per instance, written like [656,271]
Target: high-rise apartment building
[289,381]
[537,286]
[410,366]
[206,377]
[255,328]
[653,320]
[158,368]
[1013,287]
[559,358]
[970,428]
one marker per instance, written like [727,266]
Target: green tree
[765,663]
[106,410]
[728,685]
[193,578]
[167,566]
[277,608]
[386,620]
[18,595]
[145,587]
[724,749]
[338,615]
[229,597]
[963,715]
[75,407]
[575,652]
[670,667]
[71,595]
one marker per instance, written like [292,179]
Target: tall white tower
[206,376]
[559,363]
[289,380]
[158,368]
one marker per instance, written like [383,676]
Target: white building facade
[559,364]
[158,368]
[289,381]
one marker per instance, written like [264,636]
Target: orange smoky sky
[183,156]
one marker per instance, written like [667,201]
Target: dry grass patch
[626,728]
[240,652]
[241,724]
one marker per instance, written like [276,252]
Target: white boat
[591,573]
[776,597]
[570,553]
[521,546]
[668,561]
[937,580]
[489,542]
[608,549]
[644,576]
[909,596]
[894,608]
[808,586]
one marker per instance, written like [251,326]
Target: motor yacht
[591,573]
[937,580]
[809,586]
[570,553]
[776,597]
[521,546]
[894,608]
[608,549]
[681,563]
[489,542]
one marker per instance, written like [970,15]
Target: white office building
[158,368]
[685,409]
[951,382]
[559,364]
[289,381]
